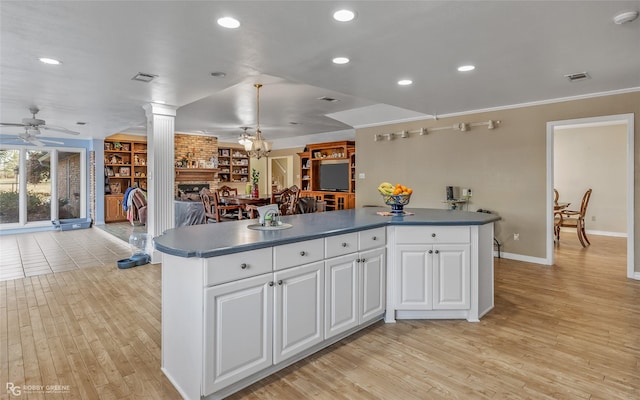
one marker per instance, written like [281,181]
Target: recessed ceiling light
[625,17]
[405,82]
[218,74]
[344,15]
[466,68]
[50,61]
[340,60]
[228,22]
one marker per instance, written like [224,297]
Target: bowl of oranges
[397,196]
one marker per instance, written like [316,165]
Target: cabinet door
[372,284]
[113,209]
[238,323]
[414,270]
[451,280]
[341,312]
[299,301]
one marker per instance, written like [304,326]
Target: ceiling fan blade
[50,141]
[9,124]
[59,129]
[35,141]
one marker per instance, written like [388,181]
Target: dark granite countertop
[212,240]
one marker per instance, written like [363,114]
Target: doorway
[280,173]
[556,126]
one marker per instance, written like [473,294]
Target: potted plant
[255,177]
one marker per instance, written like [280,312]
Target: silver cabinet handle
[244,266]
[271,283]
[357,260]
[430,251]
[363,260]
[374,238]
[303,253]
[344,244]
[437,252]
[433,235]
[280,282]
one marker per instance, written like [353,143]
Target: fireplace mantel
[195,174]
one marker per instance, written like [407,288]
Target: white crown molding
[508,107]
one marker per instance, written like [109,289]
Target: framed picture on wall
[115,187]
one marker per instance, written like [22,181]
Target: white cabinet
[432,269]
[355,283]
[451,277]
[299,310]
[372,284]
[237,330]
[432,277]
[341,276]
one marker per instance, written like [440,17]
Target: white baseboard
[636,276]
[520,257]
[597,233]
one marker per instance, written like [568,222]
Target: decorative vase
[248,189]
[254,190]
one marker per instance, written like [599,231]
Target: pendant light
[256,146]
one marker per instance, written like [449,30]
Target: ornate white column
[160,170]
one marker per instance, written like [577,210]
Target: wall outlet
[593,218]
[516,236]
[361,175]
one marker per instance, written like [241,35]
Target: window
[38,185]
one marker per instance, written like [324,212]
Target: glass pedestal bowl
[397,202]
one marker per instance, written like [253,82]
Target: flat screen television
[334,177]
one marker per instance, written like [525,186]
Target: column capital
[159,109]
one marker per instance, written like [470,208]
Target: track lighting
[461,126]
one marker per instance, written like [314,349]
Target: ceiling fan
[32,128]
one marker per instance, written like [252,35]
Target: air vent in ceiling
[143,77]
[580,76]
[81,123]
[329,99]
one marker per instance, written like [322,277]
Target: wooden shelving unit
[125,166]
[234,165]
[310,162]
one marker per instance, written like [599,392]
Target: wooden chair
[287,201]
[575,219]
[227,191]
[215,211]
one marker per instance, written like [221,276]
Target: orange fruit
[409,190]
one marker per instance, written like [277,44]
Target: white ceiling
[522,50]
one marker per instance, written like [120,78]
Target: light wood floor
[571,331]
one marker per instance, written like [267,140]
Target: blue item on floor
[73,223]
[134,260]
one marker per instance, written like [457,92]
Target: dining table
[247,203]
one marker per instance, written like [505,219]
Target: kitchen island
[239,304]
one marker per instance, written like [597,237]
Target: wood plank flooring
[571,331]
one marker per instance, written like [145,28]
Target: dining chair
[575,219]
[287,201]
[557,216]
[227,191]
[214,211]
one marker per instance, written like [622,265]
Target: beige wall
[505,167]
[594,157]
